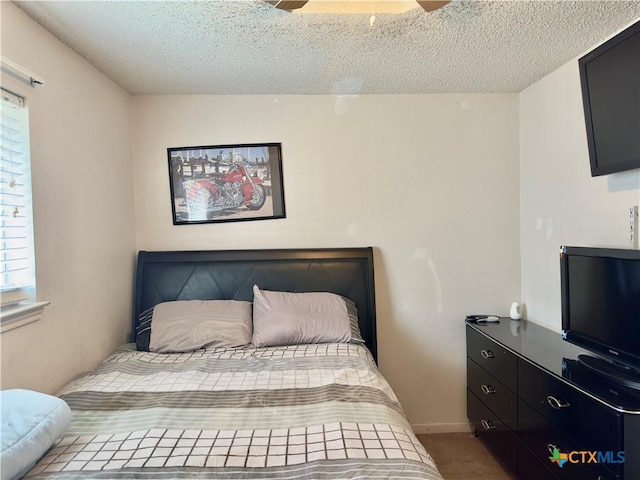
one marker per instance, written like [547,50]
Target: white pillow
[31,422]
[284,318]
[188,325]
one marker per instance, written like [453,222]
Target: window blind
[17,271]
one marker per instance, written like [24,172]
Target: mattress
[305,412]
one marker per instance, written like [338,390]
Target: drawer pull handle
[487,389]
[487,354]
[551,447]
[487,425]
[555,403]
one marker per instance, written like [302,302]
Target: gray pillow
[284,318]
[352,311]
[143,330]
[188,325]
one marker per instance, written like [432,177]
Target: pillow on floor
[31,422]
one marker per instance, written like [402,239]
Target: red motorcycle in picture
[235,188]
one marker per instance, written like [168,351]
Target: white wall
[431,181]
[561,204]
[83,209]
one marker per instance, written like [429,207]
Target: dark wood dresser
[530,401]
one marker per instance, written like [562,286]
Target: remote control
[483,318]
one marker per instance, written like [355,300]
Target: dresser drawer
[502,443]
[531,468]
[502,401]
[495,359]
[541,437]
[574,413]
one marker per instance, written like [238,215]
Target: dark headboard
[231,274]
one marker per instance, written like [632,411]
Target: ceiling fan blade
[429,6]
[288,5]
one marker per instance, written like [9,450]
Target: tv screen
[610,80]
[600,290]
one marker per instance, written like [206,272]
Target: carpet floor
[459,456]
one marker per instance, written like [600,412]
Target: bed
[303,411]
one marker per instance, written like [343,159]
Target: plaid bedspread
[303,412]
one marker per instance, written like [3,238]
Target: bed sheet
[304,412]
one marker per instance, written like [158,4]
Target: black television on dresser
[610,81]
[600,292]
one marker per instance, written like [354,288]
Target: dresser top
[547,350]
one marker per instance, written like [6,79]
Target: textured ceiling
[249,47]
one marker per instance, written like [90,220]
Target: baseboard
[422,428]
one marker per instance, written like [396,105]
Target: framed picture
[226,183]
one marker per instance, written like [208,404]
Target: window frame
[19,305]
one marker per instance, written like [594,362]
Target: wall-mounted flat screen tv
[610,80]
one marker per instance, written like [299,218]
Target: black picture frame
[226,183]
